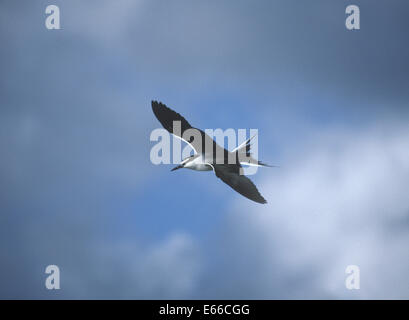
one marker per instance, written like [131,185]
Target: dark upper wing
[198,139]
[240,183]
[166,116]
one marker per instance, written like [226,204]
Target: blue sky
[78,189]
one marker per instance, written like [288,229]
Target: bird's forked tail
[244,155]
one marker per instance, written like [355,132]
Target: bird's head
[183,163]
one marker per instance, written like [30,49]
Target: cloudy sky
[78,189]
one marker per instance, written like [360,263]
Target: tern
[208,155]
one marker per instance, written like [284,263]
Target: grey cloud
[129,270]
[283,40]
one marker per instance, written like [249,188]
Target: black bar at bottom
[203,309]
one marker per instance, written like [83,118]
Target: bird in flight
[208,155]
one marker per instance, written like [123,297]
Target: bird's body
[209,156]
[197,163]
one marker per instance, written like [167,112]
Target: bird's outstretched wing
[199,141]
[240,183]
[166,116]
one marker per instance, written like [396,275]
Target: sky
[78,189]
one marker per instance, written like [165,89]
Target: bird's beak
[177,167]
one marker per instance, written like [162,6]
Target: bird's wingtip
[156,106]
[260,199]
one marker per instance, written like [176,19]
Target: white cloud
[341,200]
[169,270]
